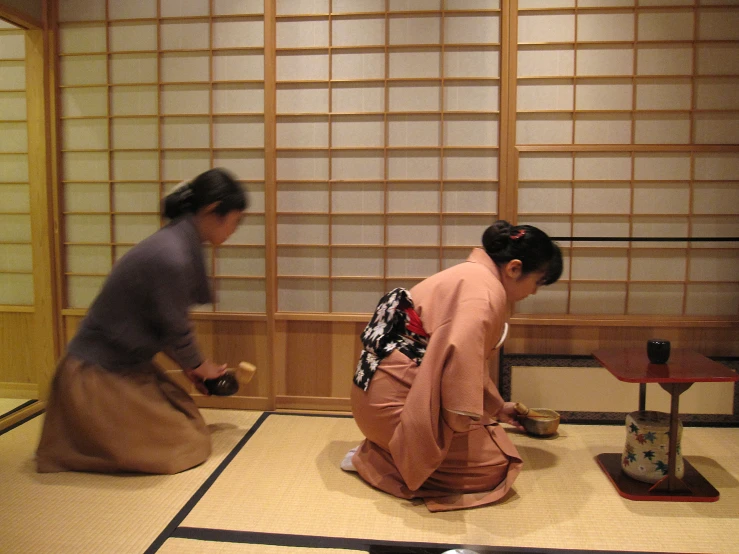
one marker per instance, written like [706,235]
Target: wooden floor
[274,486]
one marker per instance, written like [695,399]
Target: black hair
[215,185]
[504,242]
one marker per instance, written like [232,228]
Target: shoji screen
[153,93]
[627,128]
[387,144]
[16,266]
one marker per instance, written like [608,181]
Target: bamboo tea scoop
[527,412]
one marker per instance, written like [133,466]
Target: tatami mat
[63,513]
[286,480]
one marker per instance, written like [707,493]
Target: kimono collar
[479,256]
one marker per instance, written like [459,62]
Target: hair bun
[179,201]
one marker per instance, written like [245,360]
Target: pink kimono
[430,429]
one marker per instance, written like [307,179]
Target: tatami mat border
[508,361]
[173,529]
[371,546]
[12,411]
[21,422]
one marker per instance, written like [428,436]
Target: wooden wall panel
[17,347]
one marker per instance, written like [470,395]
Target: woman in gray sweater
[111,408]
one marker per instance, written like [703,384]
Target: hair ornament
[518,234]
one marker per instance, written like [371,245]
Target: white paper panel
[546,61]
[241,295]
[135,166]
[133,36]
[186,67]
[358,65]
[85,166]
[357,197]
[136,197]
[82,290]
[82,10]
[287,7]
[302,197]
[302,66]
[238,98]
[185,99]
[605,27]
[360,31]
[237,66]
[134,133]
[237,260]
[15,197]
[471,97]
[136,68]
[712,300]
[87,197]
[469,62]
[600,166]
[413,164]
[302,33]
[351,98]
[238,34]
[238,132]
[302,229]
[302,166]
[412,130]
[310,99]
[661,198]
[716,128]
[16,257]
[603,129]
[130,10]
[717,94]
[358,165]
[134,228]
[83,258]
[13,137]
[657,264]
[657,128]
[412,262]
[548,300]
[718,25]
[661,166]
[415,97]
[716,166]
[471,29]
[470,197]
[16,289]
[601,197]
[677,25]
[245,165]
[556,27]
[302,260]
[178,166]
[87,228]
[660,227]
[717,59]
[598,298]
[409,63]
[357,132]
[413,197]
[184,35]
[604,265]
[358,262]
[605,60]
[664,60]
[660,94]
[545,166]
[77,39]
[604,94]
[353,6]
[132,100]
[83,101]
[357,229]
[413,229]
[185,132]
[715,198]
[463,230]
[76,70]
[414,30]
[356,296]
[413,5]
[479,130]
[192,8]
[591,226]
[544,197]
[544,128]
[237,7]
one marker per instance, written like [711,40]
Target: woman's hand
[509,415]
[207,370]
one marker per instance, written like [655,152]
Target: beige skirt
[134,420]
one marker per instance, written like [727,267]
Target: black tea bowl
[658,351]
[225,385]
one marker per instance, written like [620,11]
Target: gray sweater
[143,307]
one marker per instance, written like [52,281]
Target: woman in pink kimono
[423,398]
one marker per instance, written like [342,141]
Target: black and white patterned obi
[395,324]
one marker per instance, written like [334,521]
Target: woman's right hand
[209,370]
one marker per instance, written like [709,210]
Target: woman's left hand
[509,415]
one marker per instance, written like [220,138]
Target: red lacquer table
[684,368]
